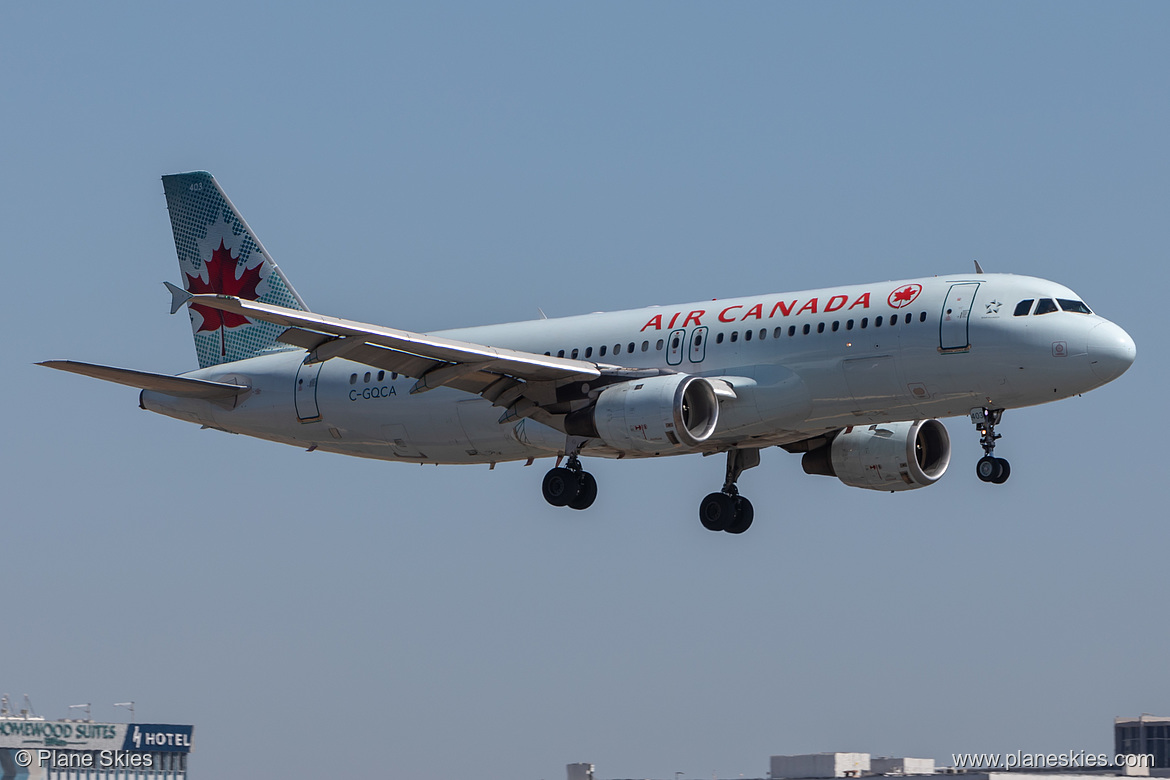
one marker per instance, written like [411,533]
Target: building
[33,748]
[820,765]
[1147,734]
[888,765]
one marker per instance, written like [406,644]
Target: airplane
[853,378]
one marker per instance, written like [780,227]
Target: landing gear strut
[570,485]
[989,468]
[727,510]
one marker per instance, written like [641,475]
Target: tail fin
[219,253]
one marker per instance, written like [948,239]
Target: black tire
[989,468]
[716,511]
[586,491]
[560,486]
[744,514]
[1005,471]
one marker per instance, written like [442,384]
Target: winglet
[978,268]
[179,296]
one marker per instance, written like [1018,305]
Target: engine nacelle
[885,456]
[657,414]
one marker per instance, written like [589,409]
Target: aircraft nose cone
[1111,351]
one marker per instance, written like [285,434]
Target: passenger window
[659,345]
[617,349]
[353,379]
[601,351]
[718,338]
[560,353]
[381,375]
[805,329]
[776,333]
[909,317]
[922,317]
[791,331]
[588,352]
[747,335]
[763,333]
[645,345]
[574,353]
[1023,307]
[836,324]
[366,378]
[1074,306]
[848,324]
[630,348]
[877,322]
[865,322]
[394,376]
[734,336]
[1045,306]
[820,327]
[549,354]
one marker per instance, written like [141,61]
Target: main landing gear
[570,485]
[990,468]
[727,510]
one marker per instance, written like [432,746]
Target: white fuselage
[799,363]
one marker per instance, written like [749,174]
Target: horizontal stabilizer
[144,380]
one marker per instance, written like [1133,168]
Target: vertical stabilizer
[219,253]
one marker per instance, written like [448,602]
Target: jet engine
[885,456]
[657,414]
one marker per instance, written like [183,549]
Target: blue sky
[442,165]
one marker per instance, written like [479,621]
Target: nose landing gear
[989,468]
[727,510]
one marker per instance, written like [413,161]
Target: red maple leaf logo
[904,296]
[221,280]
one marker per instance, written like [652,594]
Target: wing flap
[180,386]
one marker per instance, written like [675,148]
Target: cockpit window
[1076,306]
[1046,306]
[1023,307]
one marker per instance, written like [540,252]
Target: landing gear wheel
[561,486]
[1005,471]
[586,491]
[990,469]
[716,511]
[744,514]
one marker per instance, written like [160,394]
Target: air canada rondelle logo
[904,296]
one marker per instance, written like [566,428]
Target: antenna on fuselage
[978,268]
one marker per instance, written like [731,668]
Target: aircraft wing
[181,386]
[503,376]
